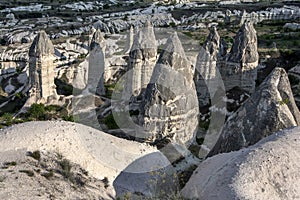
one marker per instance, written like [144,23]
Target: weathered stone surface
[170,109]
[271,108]
[267,170]
[96,64]
[41,69]
[142,58]
[240,69]
[292,26]
[294,77]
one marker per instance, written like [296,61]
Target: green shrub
[48,175]
[105,181]
[2,178]
[284,101]
[36,155]
[110,122]
[293,80]
[13,163]
[37,111]
[69,118]
[7,118]
[106,6]
[66,168]
[28,172]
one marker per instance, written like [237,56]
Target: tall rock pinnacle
[241,67]
[96,64]
[170,109]
[129,42]
[97,40]
[271,108]
[142,58]
[205,74]
[41,69]
[244,49]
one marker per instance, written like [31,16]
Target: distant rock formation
[267,170]
[170,109]
[206,67]
[41,70]
[294,77]
[95,82]
[142,58]
[130,38]
[240,67]
[271,108]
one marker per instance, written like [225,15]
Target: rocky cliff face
[240,67]
[41,69]
[142,58]
[271,108]
[96,64]
[170,109]
[205,73]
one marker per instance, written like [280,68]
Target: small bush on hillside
[110,122]
[28,172]
[37,111]
[36,155]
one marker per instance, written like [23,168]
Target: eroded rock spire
[205,76]
[142,58]
[41,70]
[170,107]
[96,64]
[240,69]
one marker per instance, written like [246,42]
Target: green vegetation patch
[110,122]
[28,172]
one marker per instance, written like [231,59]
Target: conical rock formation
[240,69]
[294,77]
[170,108]
[129,41]
[142,58]
[41,70]
[271,108]
[206,68]
[96,64]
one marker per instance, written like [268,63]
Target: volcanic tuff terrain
[175,89]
